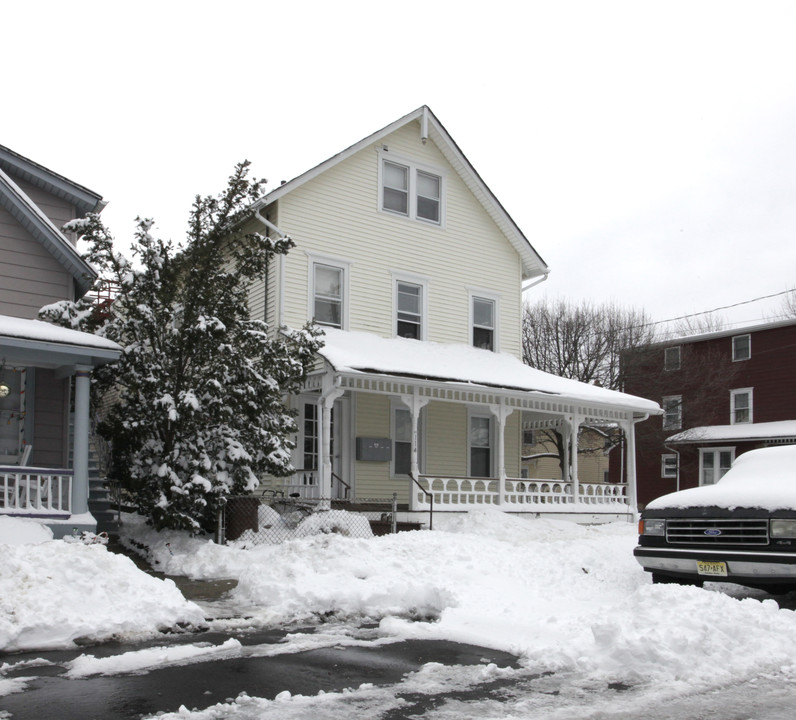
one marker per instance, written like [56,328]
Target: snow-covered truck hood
[764,479]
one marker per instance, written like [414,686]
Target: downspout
[280,310]
[676,452]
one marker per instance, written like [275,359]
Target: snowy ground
[595,638]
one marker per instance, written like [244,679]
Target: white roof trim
[532,263]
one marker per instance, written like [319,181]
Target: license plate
[712,568]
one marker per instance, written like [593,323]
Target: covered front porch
[441,425]
[45,381]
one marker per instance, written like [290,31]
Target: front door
[309,447]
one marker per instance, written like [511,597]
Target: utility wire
[723,307]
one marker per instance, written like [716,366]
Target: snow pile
[764,478]
[561,596]
[274,527]
[53,593]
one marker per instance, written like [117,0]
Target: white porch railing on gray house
[520,495]
[35,491]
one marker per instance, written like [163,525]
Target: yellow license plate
[712,568]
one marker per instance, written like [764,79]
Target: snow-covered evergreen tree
[198,407]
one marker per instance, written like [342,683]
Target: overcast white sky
[647,149]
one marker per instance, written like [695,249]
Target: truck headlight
[783,528]
[652,526]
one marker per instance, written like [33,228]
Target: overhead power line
[723,307]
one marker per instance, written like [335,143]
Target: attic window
[411,191]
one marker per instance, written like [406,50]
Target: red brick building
[722,393]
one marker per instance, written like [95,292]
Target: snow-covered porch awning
[24,344]
[420,372]
[775,432]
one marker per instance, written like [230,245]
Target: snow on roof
[36,330]
[742,431]
[360,352]
[764,478]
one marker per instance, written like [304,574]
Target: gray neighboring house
[44,370]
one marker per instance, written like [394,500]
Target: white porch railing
[28,490]
[304,483]
[521,495]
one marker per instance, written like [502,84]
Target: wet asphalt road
[128,697]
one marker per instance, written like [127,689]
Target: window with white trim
[714,464]
[412,191]
[484,314]
[669,465]
[672,412]
[671,358]
[328,294]
[740,406]
[741,347]
[480,442]
[409,304]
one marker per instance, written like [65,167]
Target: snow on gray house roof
[360,352]
[43,332]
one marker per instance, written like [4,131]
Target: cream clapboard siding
[336,214]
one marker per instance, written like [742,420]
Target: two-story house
[722,393]
[416,272]
[44,369]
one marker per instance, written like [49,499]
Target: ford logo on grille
[712,532]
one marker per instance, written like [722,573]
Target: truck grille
[717,532]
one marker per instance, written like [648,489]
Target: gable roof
[35,222]
[532,263]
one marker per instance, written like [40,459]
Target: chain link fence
[270,519]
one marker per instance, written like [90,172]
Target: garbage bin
[241,515]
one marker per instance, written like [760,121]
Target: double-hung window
[672,412]
[409,304]
[740,406]
[741,347]
[671,358]
[409,190]
[480,446]
[328,292]
[669,465]
[484,320]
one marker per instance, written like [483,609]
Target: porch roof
[42,344]
[360,353]
[779,430]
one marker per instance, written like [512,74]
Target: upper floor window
[671,358]
[483,322]
[741,347]
[672,412]
[411,191]
[409,305]
[740,406]
[328,280]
